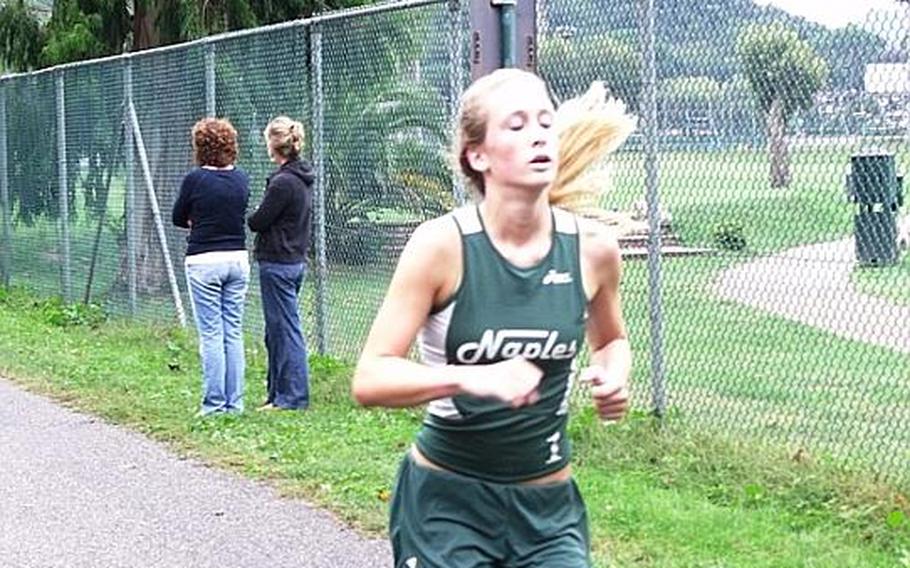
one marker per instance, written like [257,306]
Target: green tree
[73,35]
[692,90]
[85,29]
[162,22]
[21,37]
[271,11]
[849,50]
[81,29]
[386,128]
[738,116]
[690,103]
[784,73]
[570,64]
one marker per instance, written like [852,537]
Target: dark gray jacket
[283,223]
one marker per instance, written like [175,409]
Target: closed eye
[545,119]
[516,122]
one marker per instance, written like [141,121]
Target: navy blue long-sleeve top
[213,204]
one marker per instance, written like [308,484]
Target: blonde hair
[284,137]
[589,128]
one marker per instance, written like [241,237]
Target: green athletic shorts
[441,519]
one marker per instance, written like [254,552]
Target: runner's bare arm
[611,354]
[427,274]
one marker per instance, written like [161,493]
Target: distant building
[888,111]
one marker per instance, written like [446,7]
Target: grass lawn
[889,282]
[735,369]
[731,368]
[702,190]
[747,471]
[672,495]
[728,368]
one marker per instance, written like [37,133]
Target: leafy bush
[730,236]
[59,313]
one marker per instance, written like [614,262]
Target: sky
[836,13]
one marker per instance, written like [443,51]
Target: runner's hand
[513,381]
[609,392]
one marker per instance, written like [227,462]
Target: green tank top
[499,312]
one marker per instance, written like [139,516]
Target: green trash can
[877,190]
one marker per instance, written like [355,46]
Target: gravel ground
[77,492]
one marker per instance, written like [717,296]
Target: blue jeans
[288,373]
[217,292]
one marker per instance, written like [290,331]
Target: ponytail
[590,127]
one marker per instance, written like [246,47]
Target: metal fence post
[649,107]
[131,239]
[66,271]
[6,237]
[506,31]
[319,163]
[210,78]
[456,84]
[156,213]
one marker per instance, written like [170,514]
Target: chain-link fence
[762,315]
[375,88]
[759,317]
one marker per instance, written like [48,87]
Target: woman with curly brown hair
[212,204]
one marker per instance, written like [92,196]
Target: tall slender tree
[784,73]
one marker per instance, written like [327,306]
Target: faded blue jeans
[218,291]
[288,375]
